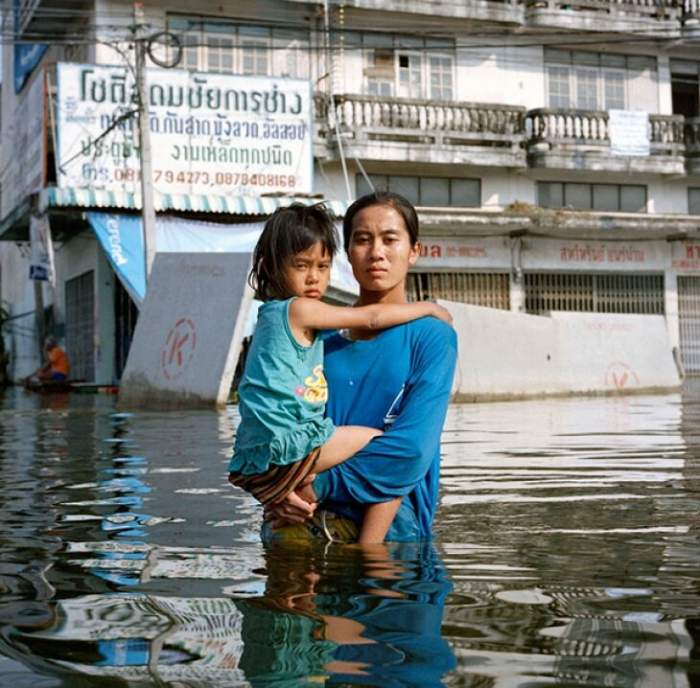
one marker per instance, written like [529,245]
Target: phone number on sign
[192,177]
[225,178]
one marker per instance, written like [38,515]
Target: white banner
[210,133]
[629,132]
[41,260]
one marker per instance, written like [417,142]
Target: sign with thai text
[25,150]
[685,256]
[636,256]
[463,252]
[210,133]
[629,132]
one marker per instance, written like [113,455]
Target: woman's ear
[415,253]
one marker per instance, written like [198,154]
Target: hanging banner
[122,239]
[41,260]
[629,133]
[226,134]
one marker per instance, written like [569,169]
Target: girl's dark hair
[400,204]
[287,232]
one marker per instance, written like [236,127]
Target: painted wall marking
[179,349]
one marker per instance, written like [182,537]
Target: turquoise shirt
[282,396]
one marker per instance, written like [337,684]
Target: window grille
[80,326]
[689,322]
[597,293]
[476,288]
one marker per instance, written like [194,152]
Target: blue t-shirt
[282,396]
[399,382]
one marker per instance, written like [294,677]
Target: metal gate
[594,293]
[689,322]
[477,288]
[80,326]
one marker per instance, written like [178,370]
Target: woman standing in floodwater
[398,380]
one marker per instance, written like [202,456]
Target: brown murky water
[567,553]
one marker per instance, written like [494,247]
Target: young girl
[283,435]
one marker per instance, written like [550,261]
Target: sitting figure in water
[56,368]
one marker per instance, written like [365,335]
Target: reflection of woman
[354,617]
[398,380]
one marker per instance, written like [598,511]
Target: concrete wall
[188,337]
[513,355]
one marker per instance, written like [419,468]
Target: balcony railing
[589,129]
[437,123]
[666,9]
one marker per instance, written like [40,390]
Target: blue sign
[27,55]
[122,239]
[26,58]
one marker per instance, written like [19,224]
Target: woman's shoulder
[432,328]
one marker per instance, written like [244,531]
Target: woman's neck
[369,298]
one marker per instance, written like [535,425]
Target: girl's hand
[441,313]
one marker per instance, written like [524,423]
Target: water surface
[567,554]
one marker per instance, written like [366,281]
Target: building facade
[552,148]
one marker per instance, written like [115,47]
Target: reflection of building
[144,637]
[552,148]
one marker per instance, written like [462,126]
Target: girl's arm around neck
[314,314]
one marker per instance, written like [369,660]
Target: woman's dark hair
[400,204]
[287,232]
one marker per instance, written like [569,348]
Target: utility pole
[148,213]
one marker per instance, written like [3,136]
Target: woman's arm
[393,464]
[316,315]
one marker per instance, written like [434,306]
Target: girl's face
[381,252]
[308,273]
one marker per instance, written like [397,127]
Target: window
[490,289]
[594,293]
[627,198]
[595,81]
[229,48]
[559,86]
[440,71]
[431,192]
[406,67]
[694,201]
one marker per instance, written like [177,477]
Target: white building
[553,150]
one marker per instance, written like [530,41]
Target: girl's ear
[415,253]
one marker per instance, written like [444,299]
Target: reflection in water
[567,554]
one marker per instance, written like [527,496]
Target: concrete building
[552,149]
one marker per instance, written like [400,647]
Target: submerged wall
[188,337]
[513,355]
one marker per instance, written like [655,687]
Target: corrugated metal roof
[123,200]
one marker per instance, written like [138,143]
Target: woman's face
[381,252]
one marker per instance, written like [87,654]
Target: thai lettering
[582,254]
[117,87]
[270,155]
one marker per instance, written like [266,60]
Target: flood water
[567,554]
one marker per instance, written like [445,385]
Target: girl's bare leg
[345,441]
[377,519]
